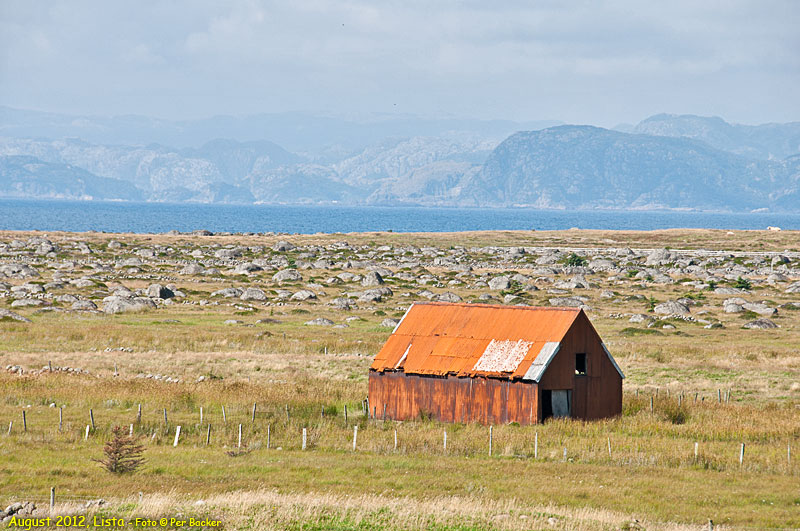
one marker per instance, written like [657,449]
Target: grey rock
[760,308]
[232,322]
[373,278]
[287,275]
[192,269]
[499,283]
[253,294]
[671,308]
[761,324]
[571,302]
[319,321]
[228,293]
[793,288]
[84,305]
[20,271]
[639,318]
[726,290]
[448,296]
[8,314]
[340,303]
[157,291]
[390,323]
[303,295]
[115,304]
[246,268]
[283,246]
[21,303]
[66,298]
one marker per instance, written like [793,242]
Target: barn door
[556,403]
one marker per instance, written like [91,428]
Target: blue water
[82,216]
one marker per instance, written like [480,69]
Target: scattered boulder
[287,275]
[228,293]
[793,288]
[253,294]
[20,303]
[304,295]
[373,278]
[192,269]
[499,283]
[84,305]
[114,304]
[671,308]
[319,321]
[283,246]
[20,271]
[448,296]
[761,324]
[390,323]
[8,314]
[157,291]
[571,302]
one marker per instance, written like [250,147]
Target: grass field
[649,478]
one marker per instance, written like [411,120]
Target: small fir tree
[122,453]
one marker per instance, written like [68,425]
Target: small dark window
[580,364]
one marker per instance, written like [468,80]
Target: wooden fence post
[490,440]
[254,412]
[130,431]
[565,454]
[741,454]
[91,417]
[139,415]
[24,422]
[355,436]
[52,499]
[609,447]
[224,418]
[10,425]
[395,439]
[345,414]
[201,415]
[269,435]
[166,423]
[177,435]
[384,412]
[696,448]
[287,412]
[445,440]
[86,435]
[304,439]
[536,445]
[240,436]
[651,403]
[60,418]
[208,435]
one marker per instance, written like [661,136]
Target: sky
[591,62]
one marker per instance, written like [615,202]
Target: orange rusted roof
[472,339]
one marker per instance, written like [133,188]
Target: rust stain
[440,339]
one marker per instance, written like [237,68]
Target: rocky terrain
[665,289]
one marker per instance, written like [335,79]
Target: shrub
[123,453]
[742,283]
[574,260]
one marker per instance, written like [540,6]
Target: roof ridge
[499,306]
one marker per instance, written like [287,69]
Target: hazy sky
[581,62]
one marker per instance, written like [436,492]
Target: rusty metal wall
[453,399]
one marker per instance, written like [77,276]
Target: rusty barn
[494,365]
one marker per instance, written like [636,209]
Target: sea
[103,216]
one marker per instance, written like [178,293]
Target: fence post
[696,448]
[395,439]
[490,440]
[287,412]
[254,412]
[177,435]
[741,454]
[91,417]
[224,418]
[52,499]
[565,454]
[445,440]
[60,418]
[10,424]
[166,423]
[651,403]
[208,435]
[139,415]
[719,396]
[384,412]
[201,415]
[24,422]
[130,431]
[240,436]
[345,414]
[355,436]
[536,445]
[609,447]
[304,439]
[269,435]
[86,435]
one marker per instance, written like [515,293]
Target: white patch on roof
[541,362]
[403,358]
[502,356]
[612,360]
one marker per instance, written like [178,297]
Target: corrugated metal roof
[471,339]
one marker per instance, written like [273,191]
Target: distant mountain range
[664,162]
